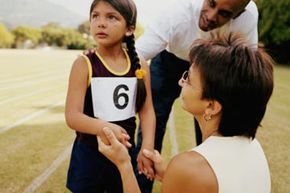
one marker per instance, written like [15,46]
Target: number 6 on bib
[114,98]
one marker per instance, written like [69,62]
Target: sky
[147,9]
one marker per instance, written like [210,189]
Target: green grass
[275,133]
[31,81]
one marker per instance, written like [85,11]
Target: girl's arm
[75,118]
[147,122]
[147,114]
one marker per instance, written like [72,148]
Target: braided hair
[135,61]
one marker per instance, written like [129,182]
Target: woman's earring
[207,117]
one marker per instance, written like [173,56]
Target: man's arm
[157,34]
[150,44]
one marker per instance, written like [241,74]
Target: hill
[37,13]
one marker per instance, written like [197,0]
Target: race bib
[114,98]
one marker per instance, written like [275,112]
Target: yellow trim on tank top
[90,71]
[113,71]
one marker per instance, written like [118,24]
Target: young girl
[106,89]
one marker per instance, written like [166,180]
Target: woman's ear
[213,107]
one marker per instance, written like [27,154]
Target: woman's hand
[118,154]
[113,150]
[159,164]
[119,132]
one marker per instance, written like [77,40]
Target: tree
[274,27]
[73,39]
[6,38]
[52,35]
[24,33]
[84,28]
[64,37]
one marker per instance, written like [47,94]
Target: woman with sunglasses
[227,89]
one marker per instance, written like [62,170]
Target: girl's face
[108,27]
[191,92]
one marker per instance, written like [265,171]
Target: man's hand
[90,50]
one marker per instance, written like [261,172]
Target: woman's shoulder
[189,171]
[188,163]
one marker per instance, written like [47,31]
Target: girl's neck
[112,51]
[115,58]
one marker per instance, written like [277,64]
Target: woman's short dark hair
[239,76]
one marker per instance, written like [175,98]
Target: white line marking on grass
[30,76]
[37,182]
[26,84]
[28,117]
[26,95]
[172,134]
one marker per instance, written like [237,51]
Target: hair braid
[135,61]
[135,64]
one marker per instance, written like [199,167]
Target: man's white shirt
[176,28]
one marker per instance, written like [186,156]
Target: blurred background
[64,23]
[39,40]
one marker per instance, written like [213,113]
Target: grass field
[35,141]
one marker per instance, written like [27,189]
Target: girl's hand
[159,164]
[119,132]
[145,166]
[114,150]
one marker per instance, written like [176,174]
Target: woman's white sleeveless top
[239,164]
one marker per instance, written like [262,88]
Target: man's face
[215,13]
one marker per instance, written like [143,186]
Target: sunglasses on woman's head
[184,76]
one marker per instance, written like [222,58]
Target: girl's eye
[112,17]
[94,16]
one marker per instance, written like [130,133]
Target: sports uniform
[110,96]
